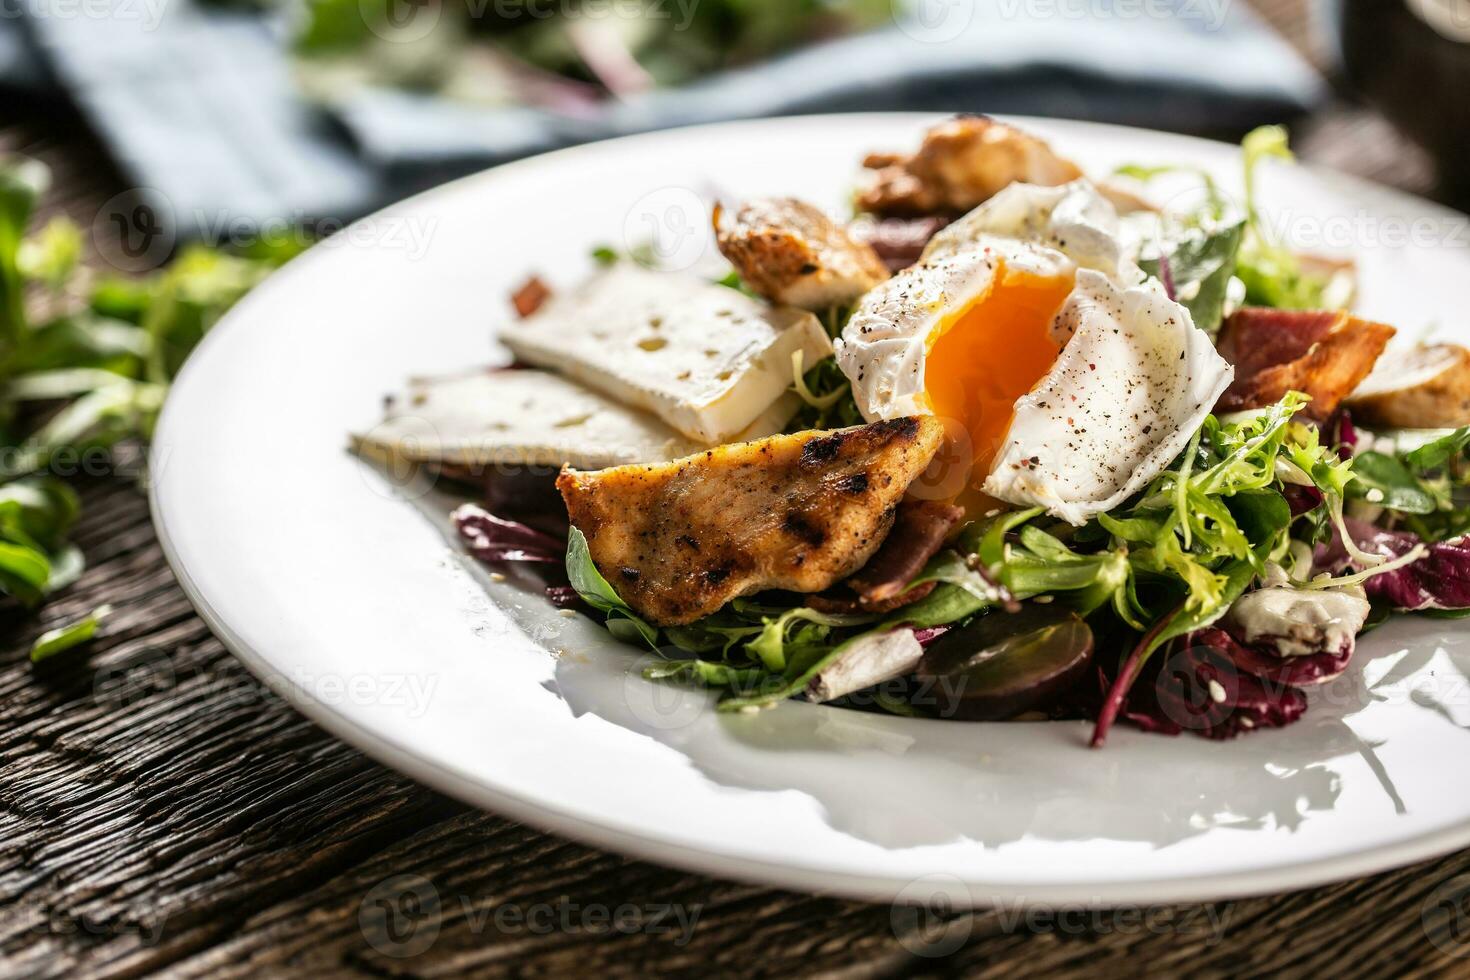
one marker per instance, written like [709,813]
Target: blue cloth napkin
[199,106]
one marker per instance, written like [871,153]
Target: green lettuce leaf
[1433,455]
[1385,481]
[1201,264]
[598,593]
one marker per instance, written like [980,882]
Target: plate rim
[592,832]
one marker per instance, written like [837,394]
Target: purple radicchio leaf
[1166,277]
[1272,668]
[1439,580]
[1340,432]
[495,539]
[1333,556]
[929,635]
[564,597]
[1201,689]
[1301,499]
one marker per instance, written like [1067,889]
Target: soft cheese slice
[531,418]
[704,358]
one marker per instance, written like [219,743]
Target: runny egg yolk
[984,357]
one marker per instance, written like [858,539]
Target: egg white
[1072,219]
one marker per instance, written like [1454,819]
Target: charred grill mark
[904,429]
[629,573]
[855,484]
[824,450]
[688,541]
[799,527]
[718,574]
[821,450]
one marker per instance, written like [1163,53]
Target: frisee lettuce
[783,638]
[825,392]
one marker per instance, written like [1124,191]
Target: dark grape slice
[1005,664]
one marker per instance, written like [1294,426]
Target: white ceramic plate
[346,595]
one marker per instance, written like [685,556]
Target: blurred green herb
[1441,451]
[63,638]
[84,367]
[1200,247]
[1208,243]
[1272,274]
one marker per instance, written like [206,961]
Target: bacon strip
[530,297]
[1321,353]
[899,242]
[919,530]
[843,601]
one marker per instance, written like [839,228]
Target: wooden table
[161,811]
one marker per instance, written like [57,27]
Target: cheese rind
[531,418]
[706,359]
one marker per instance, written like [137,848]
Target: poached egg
[1065,379]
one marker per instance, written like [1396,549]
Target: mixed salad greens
[85,363]
[1119,618]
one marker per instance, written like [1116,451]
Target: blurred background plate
[343,592]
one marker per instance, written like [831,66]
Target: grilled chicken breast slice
[797,512]
[960,165]
[794,255]
[1422,387]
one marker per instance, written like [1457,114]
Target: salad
[1011,442]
